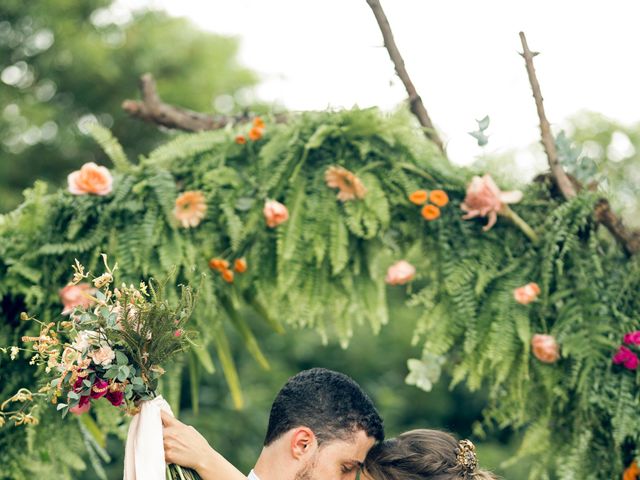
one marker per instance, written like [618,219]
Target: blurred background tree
[64,63]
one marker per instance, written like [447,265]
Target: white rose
[103,356]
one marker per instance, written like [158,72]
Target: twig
[152,109]
[630,240]
[557,172]
[415,102]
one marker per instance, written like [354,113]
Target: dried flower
[14,352]
[275,213]
[484,198]
[190,208]
[439,198]
[240,265]
[78,274]
[73,296]
[103,280]
[545,348]
[347,182]
[90,179]
[527,293]
[626,357]
[419,197]
[430,212]
[241,140]
[400,273]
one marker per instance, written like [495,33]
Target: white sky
[461,55]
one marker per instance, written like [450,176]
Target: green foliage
[325,269]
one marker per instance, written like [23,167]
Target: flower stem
[520,223]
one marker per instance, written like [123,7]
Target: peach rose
[545,348]
[484,199]
[103,356]
[400,273]
[275,213]
[76,296]
[80,408]
[526,294]
[90,179]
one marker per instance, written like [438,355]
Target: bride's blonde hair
[424,454]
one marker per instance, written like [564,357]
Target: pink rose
[400,273]
[80,409]
[632,338]
[99,388]
[626,357]
[75,296]
[545,348]
[527,293]
[90,179]
[103,356]
[275,213]
[116,398]
[484,198]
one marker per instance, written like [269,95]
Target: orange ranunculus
[419,197]
[275,213]
[255,133]
[527,293]
[347,182]
[218,264]
[241,140]
[545,348]
[430,212]
[190,208]
[258,123]
[73,296]
[439,197]
[90,179]
[240,265]
[485,199]
[400,273]
[632,472]
[227,275]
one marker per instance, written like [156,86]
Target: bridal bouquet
[112,349]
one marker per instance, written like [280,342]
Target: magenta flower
[627,358]
[632,338]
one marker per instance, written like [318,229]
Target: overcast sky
[461,55]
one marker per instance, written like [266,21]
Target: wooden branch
[151,109]
[548,142]
[630,240]
[415,102]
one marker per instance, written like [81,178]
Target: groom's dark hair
[330,403]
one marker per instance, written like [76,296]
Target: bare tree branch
[415,102]
[630,240]
[548,142]
[152,109]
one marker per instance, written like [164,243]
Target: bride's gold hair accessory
[466,455]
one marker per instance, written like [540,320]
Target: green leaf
[203,355]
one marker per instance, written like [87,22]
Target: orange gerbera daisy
[419,197]
[350,186]
[241,140]
[258,123]
[240,265]
[439,197]
[430,212]
[218,264]
[190,208]
[255,133]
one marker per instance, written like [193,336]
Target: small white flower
[84,339]
[14,352]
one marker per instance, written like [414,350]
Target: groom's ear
[303,442]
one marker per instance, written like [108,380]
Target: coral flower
[419,197]
[545,348]
[430,212]
[190,208]
[218,264]
[632,472]
[227,275]
[90,179]
[484,199]
[241,140]
[349,185]
[258,123]
[527,293]
[400,273]
[256,133]
[275,213]
[240,265]
[73,296]
[439,197]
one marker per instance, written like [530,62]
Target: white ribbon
[144,453]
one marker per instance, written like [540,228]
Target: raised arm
[184,446]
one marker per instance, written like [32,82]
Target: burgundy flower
[99,388]
[116,398]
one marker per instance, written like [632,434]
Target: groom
[321,427]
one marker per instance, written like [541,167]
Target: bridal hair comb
[466,455]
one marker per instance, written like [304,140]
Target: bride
[415,455]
